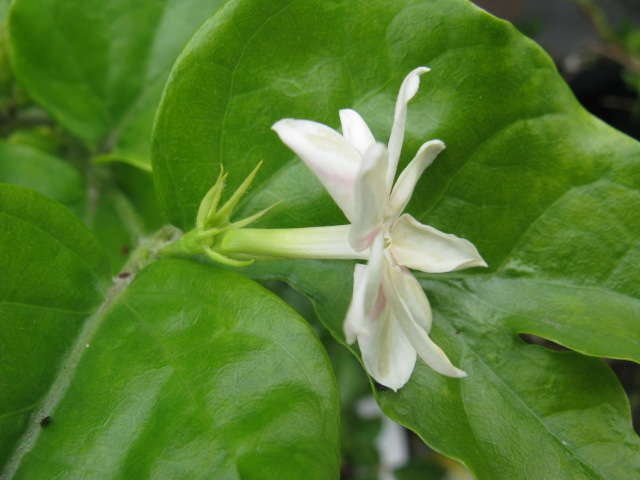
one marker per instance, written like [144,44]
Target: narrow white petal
[387,353]
[407,305]
[407,180]
[371,198]
[425,248]
[366,303]
[356,131]
[408,89]
[419,306]
[355,323]
[328,154]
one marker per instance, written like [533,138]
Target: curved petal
[355,323]
[407,180]
[370,198]
[367,302]
[387,353]
[407,305]
[425,248]
[419,306]
[328,154]
[408,89]
[356,131]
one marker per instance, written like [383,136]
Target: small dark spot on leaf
[46,421]
[125,250]
[123,275]
[457,332]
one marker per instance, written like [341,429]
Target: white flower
[389,314]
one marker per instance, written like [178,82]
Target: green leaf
[49,175]
[544,190]
[54,276]
[188,371]
[99,67]
[123,210]
[518,398]
[6,72]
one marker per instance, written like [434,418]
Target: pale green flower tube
[274,244]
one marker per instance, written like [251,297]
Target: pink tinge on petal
[365,304]
[371,197]
[378,307]
[387,353]
[333,160]
[354,323]
[363,242]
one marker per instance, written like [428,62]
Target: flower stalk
[231,244]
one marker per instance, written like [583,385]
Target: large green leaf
[186,372]
[121,208]
[99,67]
[54,275]
[517,399]
[548,193]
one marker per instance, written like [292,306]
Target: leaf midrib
[62,381]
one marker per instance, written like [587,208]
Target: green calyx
[213,222]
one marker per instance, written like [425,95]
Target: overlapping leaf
[189,371]
[544,190]
[99,67]
[54,276]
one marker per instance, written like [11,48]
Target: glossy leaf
[517,397]
[186,371]
[99,67]
[545,191]
[54,275]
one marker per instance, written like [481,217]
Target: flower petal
[408,306]
[370,198]
[356,131]
[328,154]
[408,89]
[355,323]
[425,248]
[420,307]
[407,180]
[366,303]
[387,353]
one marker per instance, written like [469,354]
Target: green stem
[188,244]
[140,258]
[130,218]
